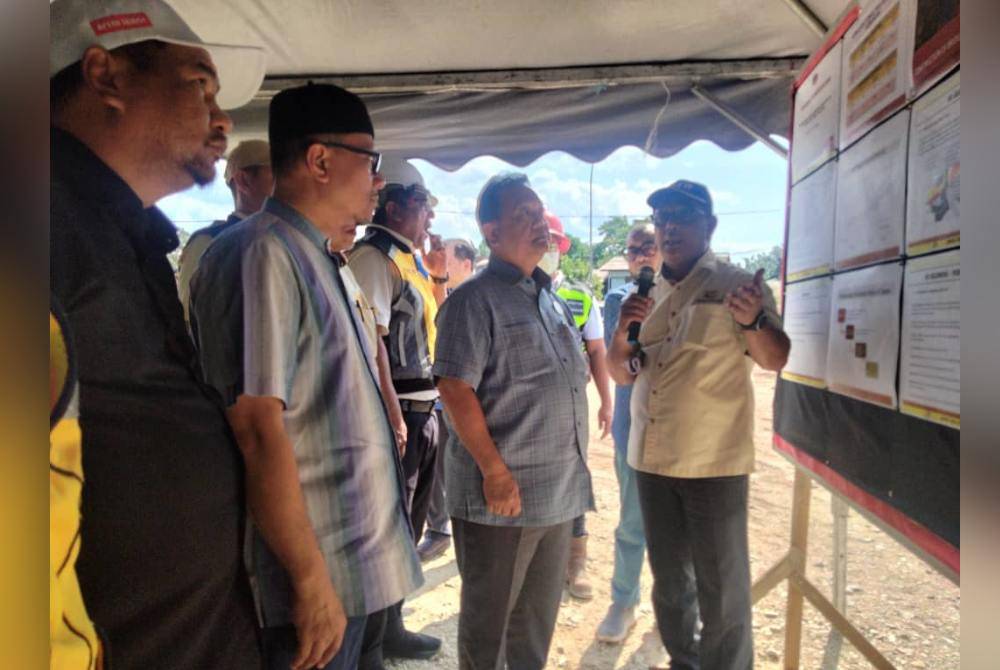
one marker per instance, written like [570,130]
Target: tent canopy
[449,80]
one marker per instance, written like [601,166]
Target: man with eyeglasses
[630,541]
[405,288]
[704,325]
[285,341]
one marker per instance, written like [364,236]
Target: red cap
[556,231]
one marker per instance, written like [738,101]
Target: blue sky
[748,188]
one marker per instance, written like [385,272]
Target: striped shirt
[273,318]
[514,342]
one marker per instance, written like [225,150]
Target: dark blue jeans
[281,645]
[696,536]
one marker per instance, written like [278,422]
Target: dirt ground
[905,608]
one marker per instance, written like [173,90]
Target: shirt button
[673,313]
[652,420]
[669,339]
[654,392]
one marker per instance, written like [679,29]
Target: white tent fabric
[448,80]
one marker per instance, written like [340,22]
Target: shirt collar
[296,220]
[706,262]
[92,179]
[407,244]
[511,274]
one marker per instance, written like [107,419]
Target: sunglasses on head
[374,156]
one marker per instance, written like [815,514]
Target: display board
[870,397]
[932,220]
[809,251]
[871,196]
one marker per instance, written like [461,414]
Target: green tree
[614,232]
[770,261]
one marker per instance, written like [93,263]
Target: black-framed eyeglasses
[680,217]
[376,157]
[645,249]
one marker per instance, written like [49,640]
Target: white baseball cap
[247,153]
[76,25]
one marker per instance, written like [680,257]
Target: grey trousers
[437,511]
[512,582]
[696,534]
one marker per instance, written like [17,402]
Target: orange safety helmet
[557,232]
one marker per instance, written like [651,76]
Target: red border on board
[832,40]
[920,535]
[938,55]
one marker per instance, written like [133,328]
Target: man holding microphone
[704,324]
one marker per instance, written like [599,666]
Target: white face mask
[550,262]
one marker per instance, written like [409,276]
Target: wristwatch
[440,280]
[756,324]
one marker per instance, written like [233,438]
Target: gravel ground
[906,609]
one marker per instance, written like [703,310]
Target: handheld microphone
[645,282]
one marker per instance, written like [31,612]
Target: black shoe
[411,645]
[432,546]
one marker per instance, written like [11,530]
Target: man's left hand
[604,420]
[746,301]
[435,260]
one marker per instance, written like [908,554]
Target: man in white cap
[405,289]
[136,115]
[248,175]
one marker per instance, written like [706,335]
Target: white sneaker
[616,625]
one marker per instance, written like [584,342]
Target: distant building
[613,273]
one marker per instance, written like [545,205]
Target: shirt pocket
[527,354]
[710,325]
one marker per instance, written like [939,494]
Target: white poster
[806,321]
[877,68]
[817,115]
[932,220]
[864,334]
[871,196]
[930,378]
[810,224]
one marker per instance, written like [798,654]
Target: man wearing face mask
[587,317]
[704,324]
[405,287]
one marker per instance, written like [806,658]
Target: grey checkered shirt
[513,341]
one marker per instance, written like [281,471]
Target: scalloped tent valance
[449,80]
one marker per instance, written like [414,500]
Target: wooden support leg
[839,509]
[797,556]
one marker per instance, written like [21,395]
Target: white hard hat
[400,173]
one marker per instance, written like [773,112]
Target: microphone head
[646,275]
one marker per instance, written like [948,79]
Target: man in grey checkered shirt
[513,378]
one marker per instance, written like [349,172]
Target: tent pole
[808,17]
[747,126]
[590,217]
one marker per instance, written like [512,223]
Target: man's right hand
[503,497]
[319,622]
[635,309]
